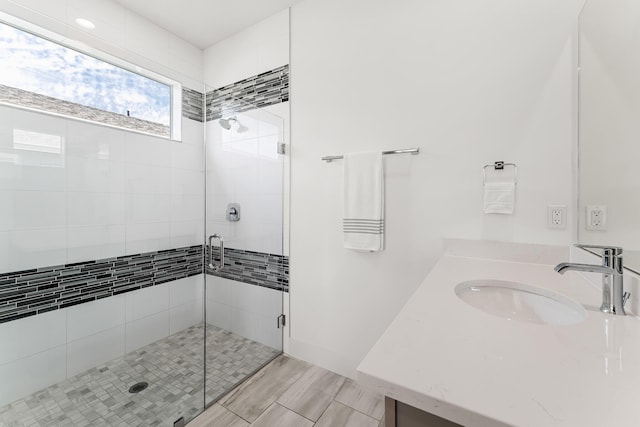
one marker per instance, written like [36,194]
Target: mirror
[609,127]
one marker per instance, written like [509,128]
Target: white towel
[499,197]
[363,202]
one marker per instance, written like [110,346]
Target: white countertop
[455,361]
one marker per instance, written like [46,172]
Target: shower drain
[138,387]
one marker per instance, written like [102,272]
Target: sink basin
[517,301]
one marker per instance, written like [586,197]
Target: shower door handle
[221,239]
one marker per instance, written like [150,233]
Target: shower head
[226,124]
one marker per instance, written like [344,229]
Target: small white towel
[363,202]
[499,197]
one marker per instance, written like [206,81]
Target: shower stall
[116,305]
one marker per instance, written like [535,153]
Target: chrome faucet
[613,295]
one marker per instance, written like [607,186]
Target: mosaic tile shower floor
[173,369]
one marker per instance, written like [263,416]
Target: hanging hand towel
[499,197]
[363,202]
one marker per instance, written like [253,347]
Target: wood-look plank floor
[292,393]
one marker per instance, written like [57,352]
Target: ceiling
[205,22]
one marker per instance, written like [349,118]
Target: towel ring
[499,166]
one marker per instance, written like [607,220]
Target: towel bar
[413,151]
[499,166]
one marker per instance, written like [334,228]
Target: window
[41,74]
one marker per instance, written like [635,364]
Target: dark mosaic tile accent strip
[12,96]
[255,268]
[268,88]
[192,104]
[39,290]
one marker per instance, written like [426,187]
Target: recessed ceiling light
[85,23]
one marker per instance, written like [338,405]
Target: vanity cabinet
[398,414]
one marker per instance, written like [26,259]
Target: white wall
[259,48]
[469,83]
[51,347]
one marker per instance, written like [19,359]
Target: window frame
[175,122]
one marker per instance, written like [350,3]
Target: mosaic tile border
[255,268]
[268,88]
[39,290]
[192,104]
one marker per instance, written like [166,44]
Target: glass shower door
[244,191]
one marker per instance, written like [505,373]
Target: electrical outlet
[596,217]
[557,216]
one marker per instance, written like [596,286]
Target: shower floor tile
[173,369]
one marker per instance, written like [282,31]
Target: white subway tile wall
[244,309]
[85,353]
[30,336]
[31,373]
[100,192]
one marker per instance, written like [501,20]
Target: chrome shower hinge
[282,321]
[281,148]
